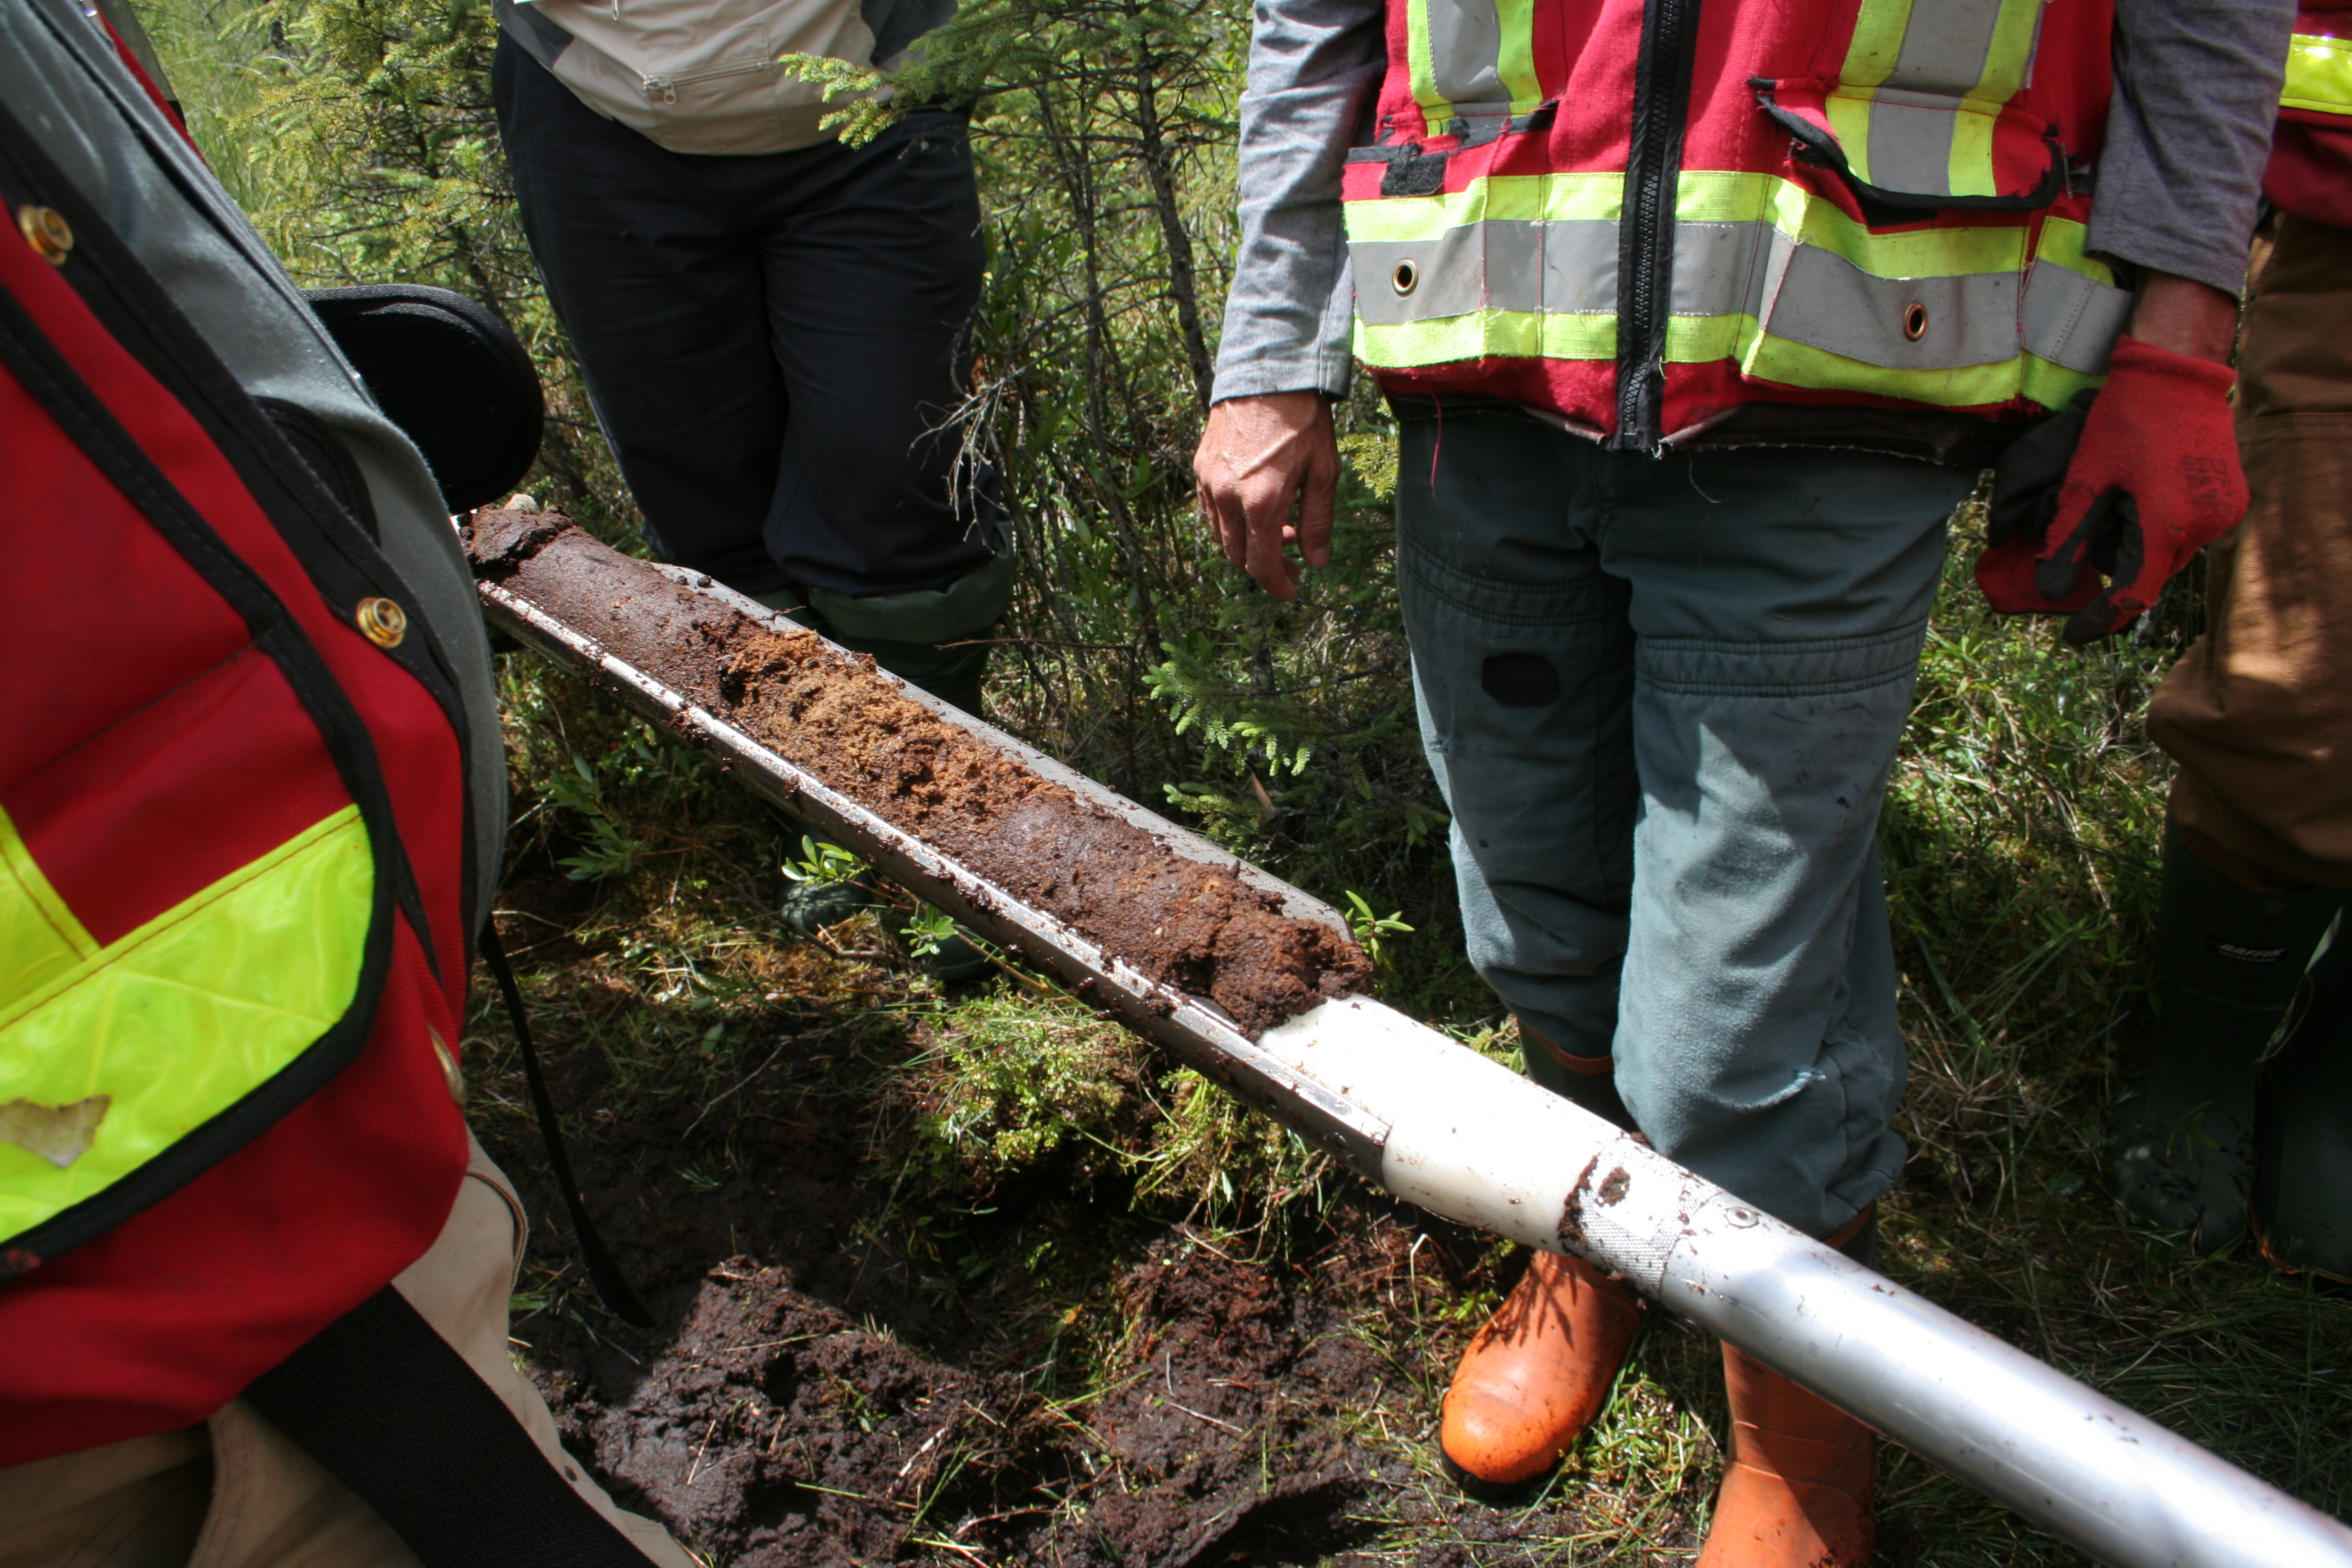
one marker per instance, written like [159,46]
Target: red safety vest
[1643,216]
[233,865]
[2310,172]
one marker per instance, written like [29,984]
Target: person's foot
[2304,1130]
[1536,1376]
[1797,1491]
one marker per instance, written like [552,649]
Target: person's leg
[653,267]
[2258,714]
[1780,600]
[1523,673]
[873,274]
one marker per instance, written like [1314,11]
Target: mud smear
[1185,924]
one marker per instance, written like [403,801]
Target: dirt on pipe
[1186,924]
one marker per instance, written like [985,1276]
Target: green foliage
[927,931]
[1008,1084]
[823,865]
[611,845]
[1369,928]
[864,114]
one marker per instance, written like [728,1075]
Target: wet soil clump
[1192,926]
[814,1399]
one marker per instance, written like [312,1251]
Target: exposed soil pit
[1186,924]
[815,1400]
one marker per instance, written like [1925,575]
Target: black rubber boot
[1591,1081]
[2303,1178]
[2229,960]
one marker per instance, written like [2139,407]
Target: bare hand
[1259,456]
[2185,316]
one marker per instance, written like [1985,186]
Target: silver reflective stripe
[1944,46]
[1466,48]
[1823,300]
[1721,268]
[1911,141]
[1800,294]
[2071,320]
[1566,267]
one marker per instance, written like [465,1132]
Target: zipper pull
[659,88]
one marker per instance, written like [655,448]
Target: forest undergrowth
[862,1205]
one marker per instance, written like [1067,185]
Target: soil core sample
[1189,925]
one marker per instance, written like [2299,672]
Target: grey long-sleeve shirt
[2189,128]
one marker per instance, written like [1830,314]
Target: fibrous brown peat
[1197,927]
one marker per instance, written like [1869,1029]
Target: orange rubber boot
[1797,1491]
[1534,1376]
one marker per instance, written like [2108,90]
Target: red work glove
[2128,484]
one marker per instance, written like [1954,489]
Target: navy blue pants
[773,343]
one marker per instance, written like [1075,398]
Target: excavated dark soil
[806,1400]
[1183,923]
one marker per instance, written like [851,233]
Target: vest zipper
[664,88]
[1645,260]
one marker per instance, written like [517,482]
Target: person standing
[774,327]
[2241,1098]
[1698,318]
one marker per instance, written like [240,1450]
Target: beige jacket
[696,75]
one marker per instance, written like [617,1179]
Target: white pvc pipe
[1475,1141]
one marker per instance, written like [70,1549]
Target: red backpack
[233,865]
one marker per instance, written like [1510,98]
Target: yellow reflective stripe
[39,936]
[2010,53]
[1801,365]
[1516,61]
[2062,242]
[1992,251]
[1701,196]
[1423,67]
[1877,43]
[1969,169]
[1527,196]
[1483,334]
[2318,74]
[1961,59]
[1848,115]
[1703,340]
[1728,197]
[183,1017]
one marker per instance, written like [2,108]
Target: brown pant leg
[260,1501]
[2258,713]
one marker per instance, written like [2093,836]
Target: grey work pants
[1662,698]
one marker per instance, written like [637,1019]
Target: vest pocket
[1905,152]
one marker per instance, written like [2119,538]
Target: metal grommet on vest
[382,621]
[1405,278]
[46,231]
[1915,320]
